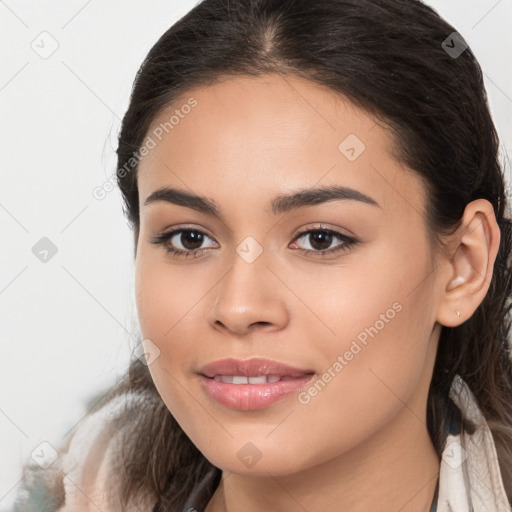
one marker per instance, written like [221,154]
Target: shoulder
[86,472]
[470,474]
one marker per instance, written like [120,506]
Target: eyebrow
[280,204]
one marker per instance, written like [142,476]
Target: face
[338,285]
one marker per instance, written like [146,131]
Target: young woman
[322,259]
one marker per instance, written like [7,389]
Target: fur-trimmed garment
[469,477]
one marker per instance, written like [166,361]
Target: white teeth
[242,379]
[262,379]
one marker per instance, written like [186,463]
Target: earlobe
[471,267]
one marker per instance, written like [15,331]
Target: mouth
[251,384]
[251,371]
[261,379]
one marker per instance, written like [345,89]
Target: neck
[395,469]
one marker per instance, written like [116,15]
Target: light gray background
[66,324]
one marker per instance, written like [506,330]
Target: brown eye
[183,242]
[190,239]
[320,241]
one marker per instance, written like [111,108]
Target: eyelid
[321,226]
[187,227]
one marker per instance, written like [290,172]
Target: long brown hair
[390,58]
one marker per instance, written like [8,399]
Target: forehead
[252,137]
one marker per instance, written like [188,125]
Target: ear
[469,264]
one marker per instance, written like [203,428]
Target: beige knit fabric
[470,478]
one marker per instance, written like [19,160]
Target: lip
[252,396]
[254,367]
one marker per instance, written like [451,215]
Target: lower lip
[249,397]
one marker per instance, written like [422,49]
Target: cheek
[168,296]
[373,327]
[374,294]
[170,304]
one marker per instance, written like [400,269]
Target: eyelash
[164,239]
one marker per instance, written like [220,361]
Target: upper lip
[251,368]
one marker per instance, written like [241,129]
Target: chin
[257,457]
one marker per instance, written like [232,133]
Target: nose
[248,298]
